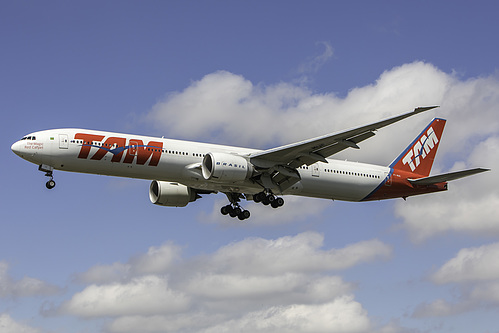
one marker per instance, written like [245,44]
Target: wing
[446,177]
[313,150]
[277,166]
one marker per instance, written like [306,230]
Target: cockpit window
[29,138]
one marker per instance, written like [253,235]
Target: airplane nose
[16,148]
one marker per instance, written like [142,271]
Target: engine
[171,194]
[226,167]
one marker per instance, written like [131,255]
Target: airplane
[182,171]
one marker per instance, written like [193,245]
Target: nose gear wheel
[50,184]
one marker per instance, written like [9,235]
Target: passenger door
[315,169]
[63,141]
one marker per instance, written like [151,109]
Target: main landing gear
[234,208]
[268,199]
[49,172]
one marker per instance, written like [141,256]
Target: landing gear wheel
[226,209]
[259,197]
[234,212]
[267,200]
[278,202]
[245,214]
[237,211]
[50,184]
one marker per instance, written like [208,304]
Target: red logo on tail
[418,157]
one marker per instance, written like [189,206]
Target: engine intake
[226,167]
[171,194]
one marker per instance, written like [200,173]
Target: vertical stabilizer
[419,155]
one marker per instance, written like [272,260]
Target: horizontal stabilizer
[445,177]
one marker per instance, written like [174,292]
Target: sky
[94,255]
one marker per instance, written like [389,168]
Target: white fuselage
[134,156]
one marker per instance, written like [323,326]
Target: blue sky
[94,255]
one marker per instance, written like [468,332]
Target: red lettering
[87,141]
[136,148]
[144,152]
[109,144]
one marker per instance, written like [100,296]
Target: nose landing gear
[49,172]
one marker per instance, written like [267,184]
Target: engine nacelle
[171,194]
[226,167]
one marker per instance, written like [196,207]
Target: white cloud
[104,273]
[471,108]
[157,260]
[147,295]
[440,308]
[25,287]
[300,253]
[182,322]
[245,290]
[394,326]
[225,286]
[470,264]
[476,272]
[9,325]
[342,315]
[486,292]
[286,278]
